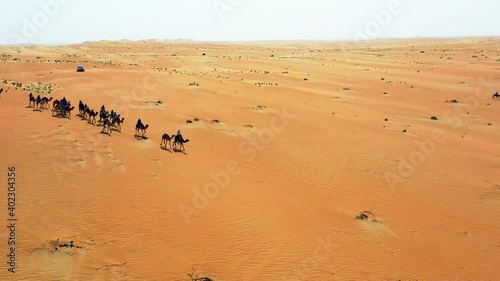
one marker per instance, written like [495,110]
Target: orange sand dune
[309,136]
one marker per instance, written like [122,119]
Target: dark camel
[141,127]
[82,111]
[55,104]
[32,100]
[38,101]
[45,102]
[117,123]
[92,115]
[68,110]
[179,140]
[166,139]
[496,96]
[102,117]
[58,110]
[106,124]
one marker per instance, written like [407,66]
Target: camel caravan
[39,103]
[110,121]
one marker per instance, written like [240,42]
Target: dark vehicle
[80,69]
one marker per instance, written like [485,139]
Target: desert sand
[309,136]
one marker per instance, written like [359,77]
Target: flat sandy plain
[310,135]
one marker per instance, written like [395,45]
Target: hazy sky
[75,21]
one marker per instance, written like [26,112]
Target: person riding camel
[178,135]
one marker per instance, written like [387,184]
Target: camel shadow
[166,149]
[139,137]
[178,150]
[28,106]
[37,109]
[106,133]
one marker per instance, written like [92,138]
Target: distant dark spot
[215,121]
[434,118]
[189,121]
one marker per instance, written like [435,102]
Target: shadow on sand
[177,150]
[173,150]
[139,137]
[166,149]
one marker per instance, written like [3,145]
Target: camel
[38,101]
[67,111]
[166,138]
[45,102]
[92,115]
[106,123]
[179,140]
[32,100]
[141,127]
[63,112]
[102,117]
[81,110]
[496,96]
[55,104]
[117,123]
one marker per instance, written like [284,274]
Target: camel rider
[103,110]
[178,135]
[139,123]
[63,102]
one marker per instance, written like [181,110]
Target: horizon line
[259,41]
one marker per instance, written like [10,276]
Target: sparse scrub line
[58,61]
[495,96]
[38,87]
